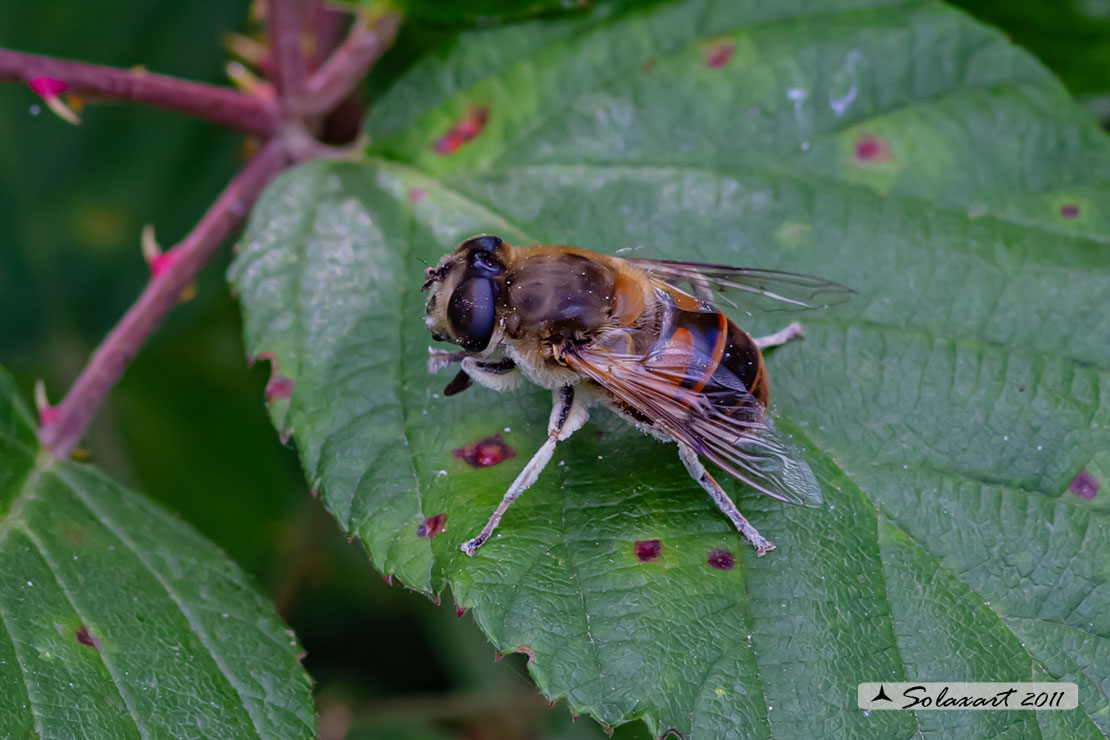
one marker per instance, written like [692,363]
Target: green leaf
[486,13]
[119,621]
[489,11]
[902,149]
[1072,37]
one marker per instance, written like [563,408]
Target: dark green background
[187,425]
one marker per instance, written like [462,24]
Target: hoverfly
[596,328]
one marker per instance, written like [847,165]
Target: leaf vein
[117,682]
[186,612]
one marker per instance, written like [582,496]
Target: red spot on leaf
[721,559]
[497,657]
[718,53]
[871,149]
[648,67]
[1084,485]
[465,130]
[47,87]
[459,611]
[388,579]
[648,550]
[416,195]
[83,637]
[432,526]
[485,453]
[1069,211]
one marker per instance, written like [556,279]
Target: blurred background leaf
[1072,37]
[72,202]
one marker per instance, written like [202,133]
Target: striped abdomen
[706,353]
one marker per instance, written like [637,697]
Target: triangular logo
[882,694]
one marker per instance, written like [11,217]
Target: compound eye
[484,264]
[472,311]
[483,243]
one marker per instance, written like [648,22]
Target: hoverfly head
[464,293]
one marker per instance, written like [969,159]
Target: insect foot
[441,358]
[782,336]
[471,546]
[763,548]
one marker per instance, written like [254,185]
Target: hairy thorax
[559,295]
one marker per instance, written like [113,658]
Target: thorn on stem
[50,90]
[160,262]
[151,251]
[47,414]
[249,50]
[244,79]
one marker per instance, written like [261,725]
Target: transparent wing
[746,287]
[740,440]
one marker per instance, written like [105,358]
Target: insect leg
[724,503]
[568,414]
[782,336]
[500,375]
[441,358]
